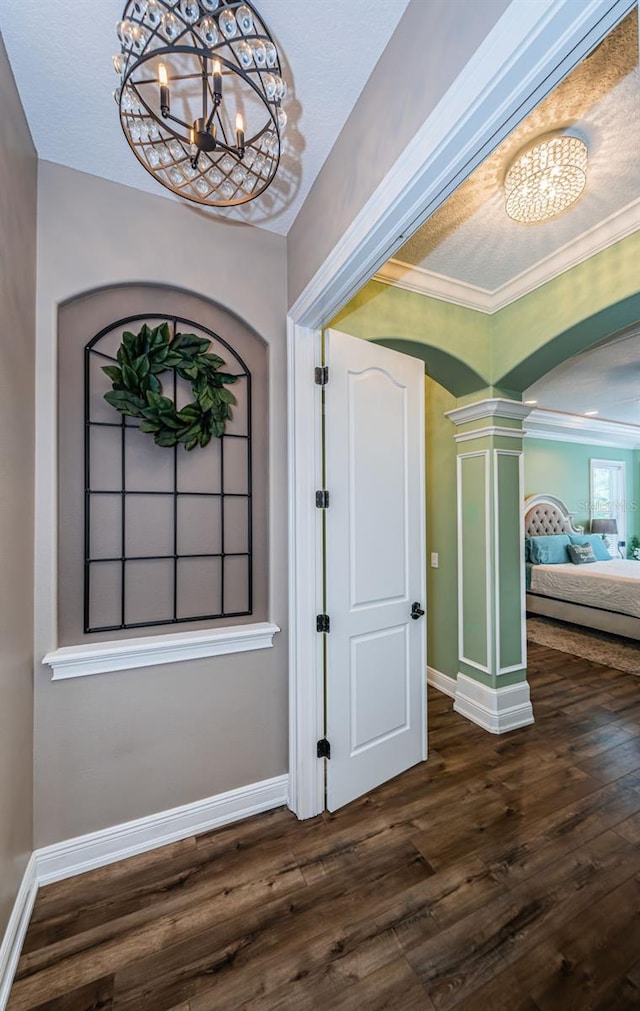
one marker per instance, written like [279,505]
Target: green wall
[566,315]
[502,354]
[470,355]
[475,485]
[442,593]
[562,469]
[459,337]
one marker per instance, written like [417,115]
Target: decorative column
[491,687]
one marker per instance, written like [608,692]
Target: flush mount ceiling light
[545,178]
[200,97]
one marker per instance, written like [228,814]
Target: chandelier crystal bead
[546,178]
[208,31]
[244,54]
[259,53]
[244,17]
[153,15]
[228,24]
[190,10]
[201,81]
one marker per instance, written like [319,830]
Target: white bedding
[611,586]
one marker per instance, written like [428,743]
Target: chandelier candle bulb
[164,90]
[217,80]
[240,135]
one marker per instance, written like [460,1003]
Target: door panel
[375,565]
[378,564]
[379,686]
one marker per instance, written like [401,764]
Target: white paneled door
[375,566]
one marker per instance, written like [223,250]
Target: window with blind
[608,496]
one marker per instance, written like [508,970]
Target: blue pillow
[551,550]
[596,542]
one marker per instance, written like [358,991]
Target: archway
[570,342]
[444,368]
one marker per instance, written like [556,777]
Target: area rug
[609,650]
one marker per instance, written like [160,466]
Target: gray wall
[120,746]
[114,747]
[432,43]
[18,169]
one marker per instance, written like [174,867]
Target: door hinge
[324,748]
[322,375]
[323,623]
[322,499]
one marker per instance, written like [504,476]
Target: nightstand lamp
[605,527]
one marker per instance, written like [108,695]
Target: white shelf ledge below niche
[147,651]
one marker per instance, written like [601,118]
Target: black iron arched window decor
[167,533]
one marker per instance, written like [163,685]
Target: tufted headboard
[547,515]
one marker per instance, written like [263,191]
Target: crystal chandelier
[200,97]
[545,178]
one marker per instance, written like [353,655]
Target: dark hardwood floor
[502,874]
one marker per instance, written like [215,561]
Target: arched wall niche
[157,522]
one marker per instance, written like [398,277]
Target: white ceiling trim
[558,426]
[425,282]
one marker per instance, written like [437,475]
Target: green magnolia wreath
[137,390]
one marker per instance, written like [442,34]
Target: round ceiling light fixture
[200,97]
[545,178]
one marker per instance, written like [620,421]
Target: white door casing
[532,47]
[375,565]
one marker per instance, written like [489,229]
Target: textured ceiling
[471,239]
[605,379]
[60,52]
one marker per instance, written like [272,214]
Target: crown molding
[491,408]
[425,282]
[595,240]
[399,274]
[558,426]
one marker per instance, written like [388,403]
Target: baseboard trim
[97,849]
[497,710]
[442,682]
[14,935]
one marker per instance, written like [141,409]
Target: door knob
[416,610]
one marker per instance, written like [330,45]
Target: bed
[604,594]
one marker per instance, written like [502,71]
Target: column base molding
[497,710]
